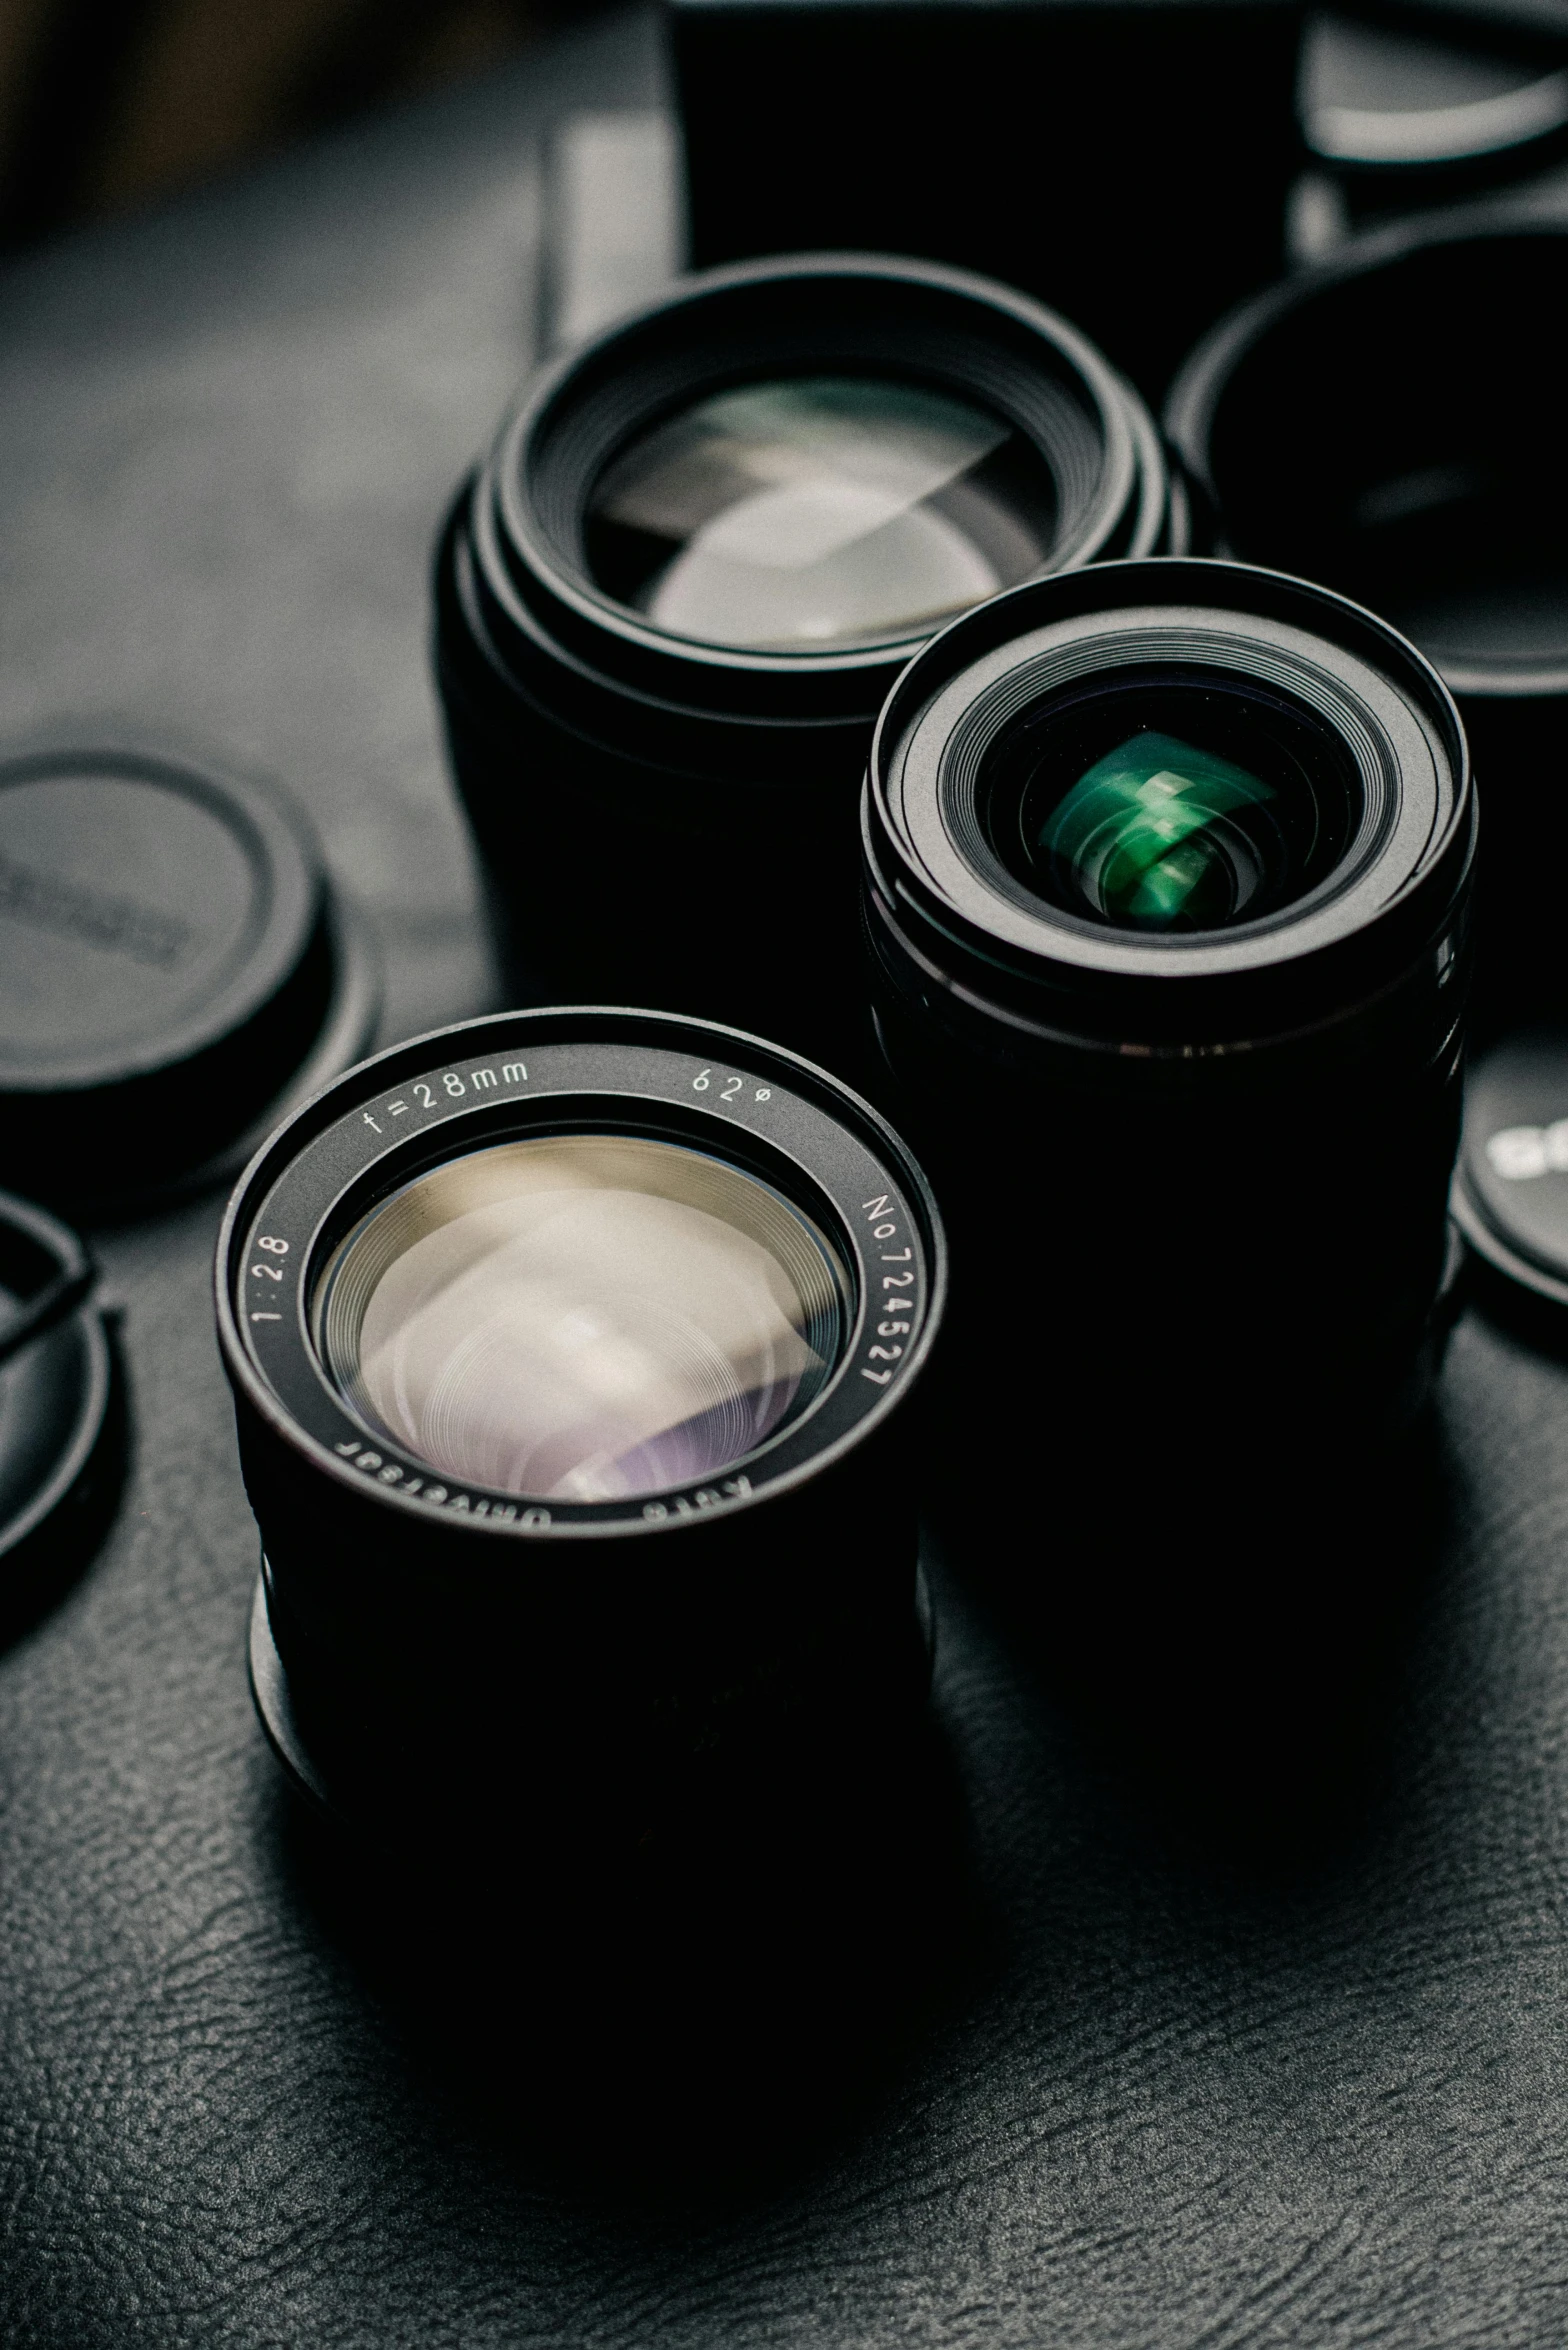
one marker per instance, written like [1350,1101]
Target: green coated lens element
[1169,800]
[1150,836]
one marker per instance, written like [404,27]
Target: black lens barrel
[1216,1163]
[668,820]
[448,1648]
[1186,1071]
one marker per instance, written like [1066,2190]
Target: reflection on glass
[1159,833]
[584,1317]
[818,511]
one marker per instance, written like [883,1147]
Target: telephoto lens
[1167,872]
[571,1355]
[673,598]
[1326,438]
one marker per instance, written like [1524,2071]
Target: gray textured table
[1242,2019]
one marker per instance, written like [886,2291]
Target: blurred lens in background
[1391,423]
[1397,122]
[571,1394]
[672,600]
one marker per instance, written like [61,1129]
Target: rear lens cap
[174,969]
[1511,1192]
[58,1460]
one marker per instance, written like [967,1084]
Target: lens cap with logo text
[175,971]
[1511,1192]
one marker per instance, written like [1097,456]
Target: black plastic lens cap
[1511,1192]
[171,959]
[55,1393]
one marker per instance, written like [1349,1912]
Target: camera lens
[582,1316]
[672,599]
[1167,874]
[1327,439]
[569,1352]
[1398,122]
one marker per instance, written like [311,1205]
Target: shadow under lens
[582,1317]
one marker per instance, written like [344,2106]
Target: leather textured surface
[1228,2002]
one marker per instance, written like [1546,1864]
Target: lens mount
[1156,653]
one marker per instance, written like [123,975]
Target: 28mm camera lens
[571,1354]
[1167,870]
[1399,124]
[673,598]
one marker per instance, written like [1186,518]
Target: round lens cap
[170,957]
[55,1390]
[1511,1192]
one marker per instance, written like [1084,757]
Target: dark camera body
[1126,162]
[1197,1185]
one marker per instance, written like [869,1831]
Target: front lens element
[818,511]
[1159,833]
[1163,804]
[585,1317]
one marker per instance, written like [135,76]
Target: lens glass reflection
[818,511]
[1166,804]
[582,1317]
[1159,833]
